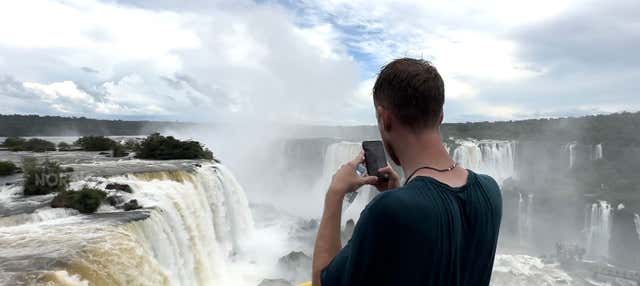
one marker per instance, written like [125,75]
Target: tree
[39,145]
[86,200]
[44,178]
[7,168]
[64,146]
[95,143]
[156,146]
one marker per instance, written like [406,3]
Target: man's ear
[384,118]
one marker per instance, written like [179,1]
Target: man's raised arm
[328,240]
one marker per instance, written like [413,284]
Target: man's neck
[424,149]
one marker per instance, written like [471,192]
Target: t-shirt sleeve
[361,259]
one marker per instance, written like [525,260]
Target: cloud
[209,62]
[501,60]
[314,61]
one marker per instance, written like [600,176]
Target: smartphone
[375,158]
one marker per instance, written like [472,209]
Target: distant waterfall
[336,155]
[571,148]
[596,154]
[525,214]
[598,229]
[197,221]
[636,220]
[580,153]
[495,158]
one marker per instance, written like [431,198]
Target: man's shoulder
[487,182]
[396,202]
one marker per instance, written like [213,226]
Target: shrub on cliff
[39,145]
[118,150]
[44,178]
[14,143]
[7,168]
[159,147]
[64,146]
[33,144]
[86,200]
[95,143]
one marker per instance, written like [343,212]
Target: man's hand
[328,243]
[346,180]
[392,183]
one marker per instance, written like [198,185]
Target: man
[440,227]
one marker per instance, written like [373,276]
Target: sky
[314,62]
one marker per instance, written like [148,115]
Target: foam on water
[523,270]
[63,278]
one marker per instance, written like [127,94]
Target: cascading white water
[571,148]
[525,213]
[598,230]
[495,158]
[336,155]
[527,271]
[596,154]
[198,220]
[636,220]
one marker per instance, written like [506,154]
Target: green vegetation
[7,168]
[131,144]
[34,125]
[86,200]
[618,127]
[159,147]
[119,150]
[46,178]
[33,144]
[95,143]
[14,143]
[42,179]
[101,143]
[39,145]
[63,146]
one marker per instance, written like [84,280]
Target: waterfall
[597,152]
[495,158]
[636,220]
[571,148]
[336,155]
[598,229]
[525,213]
[197,223]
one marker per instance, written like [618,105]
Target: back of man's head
[413,91]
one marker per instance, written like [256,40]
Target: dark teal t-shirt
[424,233]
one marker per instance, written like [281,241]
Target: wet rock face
[296,265]
[115,200]
[131,205]
[275,282]
[624,238]
[119,187]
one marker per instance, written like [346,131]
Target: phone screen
[375,158]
